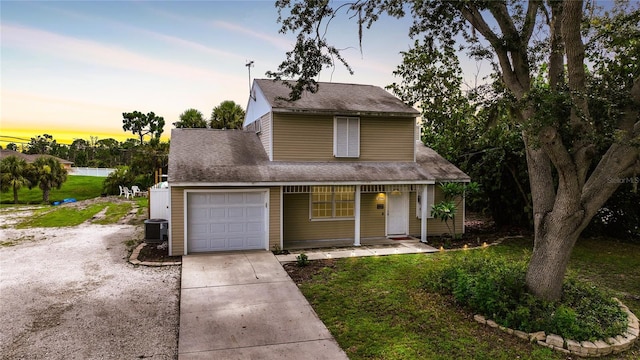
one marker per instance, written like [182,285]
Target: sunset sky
[70,69]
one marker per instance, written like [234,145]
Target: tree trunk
[15,194]
[45,195]
[551,253]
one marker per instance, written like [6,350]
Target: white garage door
[220,221]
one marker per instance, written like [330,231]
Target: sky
[71,68]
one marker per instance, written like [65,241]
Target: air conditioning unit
[156,230]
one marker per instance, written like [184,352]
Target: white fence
[89,171]
[159,203]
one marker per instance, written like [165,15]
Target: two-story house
[339,164]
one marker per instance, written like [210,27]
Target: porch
[355,214]
[348,243]
[328,249]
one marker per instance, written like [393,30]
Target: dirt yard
[69,293]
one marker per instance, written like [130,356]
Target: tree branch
[568,184]
[580,117]
[530,20]
[473,16]
[513,41]
[499,11]
[556,57]
[618,161]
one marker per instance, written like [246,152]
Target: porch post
[281,217]
[356,214]
[423,214]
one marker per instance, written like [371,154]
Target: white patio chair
[127,192]
[135,191]
[121,190]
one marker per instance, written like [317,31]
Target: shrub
[302,260]
[144,181]
[495,287]
[619,216]
[120,177]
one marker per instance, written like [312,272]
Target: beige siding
[177,221]
[265,132]
[372,219]
[274,217]
[434,226]
[310,138]
[297,225]
[302,137]
[386,139]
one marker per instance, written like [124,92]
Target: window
[258,125]
[346,137]
[430,202]
[331,202]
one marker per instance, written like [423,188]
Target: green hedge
[495,287]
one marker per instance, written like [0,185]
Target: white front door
[397,213]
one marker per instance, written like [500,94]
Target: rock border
[613,345]
[133,259]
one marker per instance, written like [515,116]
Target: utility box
[156,230]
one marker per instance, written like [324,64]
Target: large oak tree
[578,147]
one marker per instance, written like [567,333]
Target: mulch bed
[152,253]
[478,230]
[301,274]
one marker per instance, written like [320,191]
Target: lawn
[73,214]
[377,307]
[78,187]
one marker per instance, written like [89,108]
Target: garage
[226,220]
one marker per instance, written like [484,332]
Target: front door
[397,213]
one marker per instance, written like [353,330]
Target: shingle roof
[29,158]
[208,156]
[336,98]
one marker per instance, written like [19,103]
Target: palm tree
[48,173]
[191,118]
[227,115]
[12,170]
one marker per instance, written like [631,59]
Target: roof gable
[335,98]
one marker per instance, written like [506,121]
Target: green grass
[377,307]
[61,216]
[114,213]
[78,187]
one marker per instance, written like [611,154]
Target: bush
[144,181]
[495,287]
[619,217]
[120,177]
[302,260]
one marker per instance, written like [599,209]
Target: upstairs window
[258,126]
[346,137]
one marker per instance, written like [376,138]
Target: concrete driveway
[243,305]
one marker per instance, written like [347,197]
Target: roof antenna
[249,65]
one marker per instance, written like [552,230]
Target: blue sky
[71,68]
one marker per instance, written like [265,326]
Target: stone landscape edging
[133,259]
[596,348]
